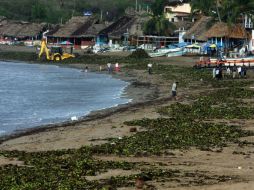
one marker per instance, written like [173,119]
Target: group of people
[110,67]
[220,72]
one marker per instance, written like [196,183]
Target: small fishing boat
[164,51]
[176,53]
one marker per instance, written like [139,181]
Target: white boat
[175,53]
[164,51]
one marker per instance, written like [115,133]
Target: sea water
[35,94]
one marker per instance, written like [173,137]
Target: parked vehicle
[54,54]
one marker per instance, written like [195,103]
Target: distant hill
[57,11]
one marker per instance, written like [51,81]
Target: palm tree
[203,6]
[234,9]
[159,26]
[224,10]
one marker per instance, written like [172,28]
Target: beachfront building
[12,31]
[79,31]
[197,32]
[126,30]
[233,39]
[249,26]
[179,13]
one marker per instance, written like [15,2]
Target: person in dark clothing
[234,70]
[244,71]
[150,68]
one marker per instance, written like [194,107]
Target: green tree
[233,10]
[38,12]
[158,7]
[159,26]
[229,11]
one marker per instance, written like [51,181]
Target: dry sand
[233,160]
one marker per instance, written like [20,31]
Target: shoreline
[128,92]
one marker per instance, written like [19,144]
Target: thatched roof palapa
[74,24]
[221,30]
[128,23]
[79,26]
[13,28]
[31,29]
[198,30]
[94,30]
[183,24]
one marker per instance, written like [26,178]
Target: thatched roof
[20,29]
[74,24]
[221,30]
[198,30]
[31,29]
[183,24]
[80,26]
[130,24]
[95,29]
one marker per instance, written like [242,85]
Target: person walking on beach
[117,68]
[244,71]
[239,70]
[109,67]
[150,68]
[234,71]
[214,72]
[217,72]
[174,89]
[228,72]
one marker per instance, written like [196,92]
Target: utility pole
[101,15]
[136,5]
[217,9]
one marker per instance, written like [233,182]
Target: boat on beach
[176,53]
[171,50]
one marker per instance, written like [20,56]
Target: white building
[177,13]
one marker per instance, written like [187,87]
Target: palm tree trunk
[217,10]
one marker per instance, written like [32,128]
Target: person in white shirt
[228,72]
[214,72]
[150,68]
[117,67]
[174,89]
[109,67]
[239,70]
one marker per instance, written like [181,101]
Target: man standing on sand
[174,88]
[109,67]
[150,68]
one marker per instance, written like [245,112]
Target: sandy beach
[218,169]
